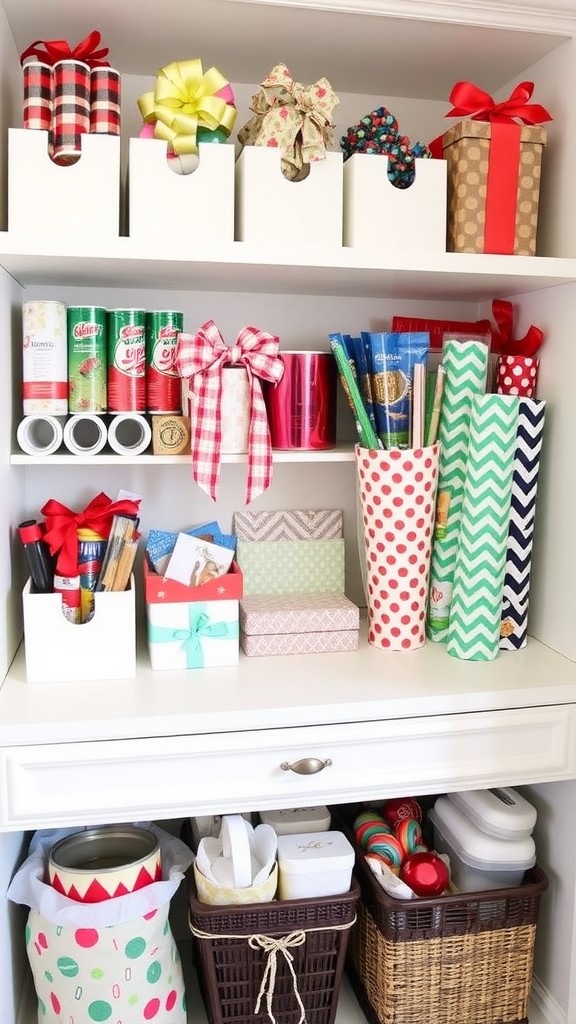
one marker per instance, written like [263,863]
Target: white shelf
[239,267]
[280,692]
[342,453]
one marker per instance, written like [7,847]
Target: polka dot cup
[397,492]
[517,375]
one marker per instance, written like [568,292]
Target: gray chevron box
[293,524]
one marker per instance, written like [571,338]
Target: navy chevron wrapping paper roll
[475,613]
[514,624]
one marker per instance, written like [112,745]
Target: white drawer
[163,777]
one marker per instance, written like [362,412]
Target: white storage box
[81,201]
[59,651]
[297,819]
[194,209]
[272,210]
[379,218]
[478,861]
[498,812]
[312,864]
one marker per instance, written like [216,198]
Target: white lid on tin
[500,812]
[477,848]
[303,852]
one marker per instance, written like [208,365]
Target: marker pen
[37,556]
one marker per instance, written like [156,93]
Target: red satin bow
[206,353]
[52,50]
[62,525]
[470,101]
[503,313]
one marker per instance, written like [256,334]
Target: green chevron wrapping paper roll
[466,366]
[475,613]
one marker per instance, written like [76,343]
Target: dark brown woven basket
[458,959]
[231,964]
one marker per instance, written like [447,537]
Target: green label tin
[87,349]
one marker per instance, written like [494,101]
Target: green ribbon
[198,626]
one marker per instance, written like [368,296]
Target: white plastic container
[46,200]
[312,864]
[499,812]
[59,651]
[478,861]
[194,209]
[380,218]
[270,210]
[291,820]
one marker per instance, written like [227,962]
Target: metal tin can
[102,863]
[163,383]
[69,589]
[44,359]
[302,406]
[87,352]
[91,551]
[126,360]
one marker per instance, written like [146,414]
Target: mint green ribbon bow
[199,626]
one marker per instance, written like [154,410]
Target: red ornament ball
[425,873]
[401,807]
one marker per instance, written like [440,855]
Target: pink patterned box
[298,624]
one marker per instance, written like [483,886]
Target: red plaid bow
[206,353]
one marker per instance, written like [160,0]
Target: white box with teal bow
[198,634]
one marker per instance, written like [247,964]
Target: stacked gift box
[294,601]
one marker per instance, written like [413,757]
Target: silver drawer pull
[306,766]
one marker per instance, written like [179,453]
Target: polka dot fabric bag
[115,961]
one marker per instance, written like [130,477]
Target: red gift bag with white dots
[517,375]
[397,491]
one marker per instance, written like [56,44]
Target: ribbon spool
[129,434]
[85,434]
[40,435]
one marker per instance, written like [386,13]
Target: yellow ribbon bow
[182,101]
[296,118]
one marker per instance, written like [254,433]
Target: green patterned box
[292,566]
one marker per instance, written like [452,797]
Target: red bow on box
[62,525]
[206,353]
[52,50]
[503,313]
[470,101]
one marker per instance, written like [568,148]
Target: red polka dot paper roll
[397,491]
[517,375]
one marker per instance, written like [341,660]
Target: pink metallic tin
[302,407]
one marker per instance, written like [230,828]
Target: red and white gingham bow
[206,353]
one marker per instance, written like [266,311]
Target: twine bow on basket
[272,947]
[293,117]
[205,353]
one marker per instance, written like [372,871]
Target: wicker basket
[458,959]
[248,975]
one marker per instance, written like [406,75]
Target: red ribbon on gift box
[52,50]
[62,525]
[503,313]
[501,335]
[206,353]
[506,118]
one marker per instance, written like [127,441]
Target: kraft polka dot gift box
[494,164]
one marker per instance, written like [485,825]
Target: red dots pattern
[404,481]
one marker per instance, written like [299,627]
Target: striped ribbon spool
[104,101]
[37,96]
[71,114]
